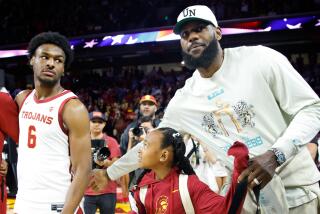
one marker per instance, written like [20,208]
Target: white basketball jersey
[44,164]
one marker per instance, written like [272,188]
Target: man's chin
[196,56]
[146,114]
[196,52]
[48,81]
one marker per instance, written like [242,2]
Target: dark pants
[106,203]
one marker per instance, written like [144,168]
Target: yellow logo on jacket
[162,204]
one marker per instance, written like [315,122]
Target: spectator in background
[148,107]
[205,163]
[313,149]
[8,127]
[105,199]
[136,135]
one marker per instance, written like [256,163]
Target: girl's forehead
[154,133]
[154,136]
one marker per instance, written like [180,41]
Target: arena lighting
[241,27]
[12,53]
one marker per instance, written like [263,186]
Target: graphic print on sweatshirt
[228,118]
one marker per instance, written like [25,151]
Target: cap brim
[98,118]
[151,101]
[179,25]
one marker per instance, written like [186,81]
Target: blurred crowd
[116,92]
[20,20]
[308,66]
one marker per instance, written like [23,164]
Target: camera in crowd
[137,131]
[99,152]
[140,128]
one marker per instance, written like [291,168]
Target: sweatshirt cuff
[111,175]
[288,147]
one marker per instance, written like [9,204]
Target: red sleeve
[113,147]
[205,200]
[9,116]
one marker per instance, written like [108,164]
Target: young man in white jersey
[54,160]
[250,94]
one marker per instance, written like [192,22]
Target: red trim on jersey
[24,99]
[79,211]
[50,98]
[60,119]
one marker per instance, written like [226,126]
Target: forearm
[313,148]
[301,130]
[130,143]
[76,190]
[125,164]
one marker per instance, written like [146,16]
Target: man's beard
[48,83]
[205,59]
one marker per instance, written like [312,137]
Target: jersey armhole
[24,99]
[60,118]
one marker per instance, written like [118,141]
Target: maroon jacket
[163,195]
[9,126]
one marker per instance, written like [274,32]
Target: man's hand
[99,179]
[105,163]
[130,134]
[133,137]
[3,168]
[261,170]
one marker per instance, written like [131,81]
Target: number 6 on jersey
[32,138]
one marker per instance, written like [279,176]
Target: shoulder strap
[133,203]
[143,193]
[184,194]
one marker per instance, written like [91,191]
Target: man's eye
[199,28]
[44,57]
[184,34]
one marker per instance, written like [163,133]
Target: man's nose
[50,62]
[193,36]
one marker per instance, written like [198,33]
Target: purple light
[12,53]
[168,35]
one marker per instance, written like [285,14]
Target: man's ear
[31,62]
[218,33]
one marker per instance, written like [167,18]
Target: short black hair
[145,119]
[51,38]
